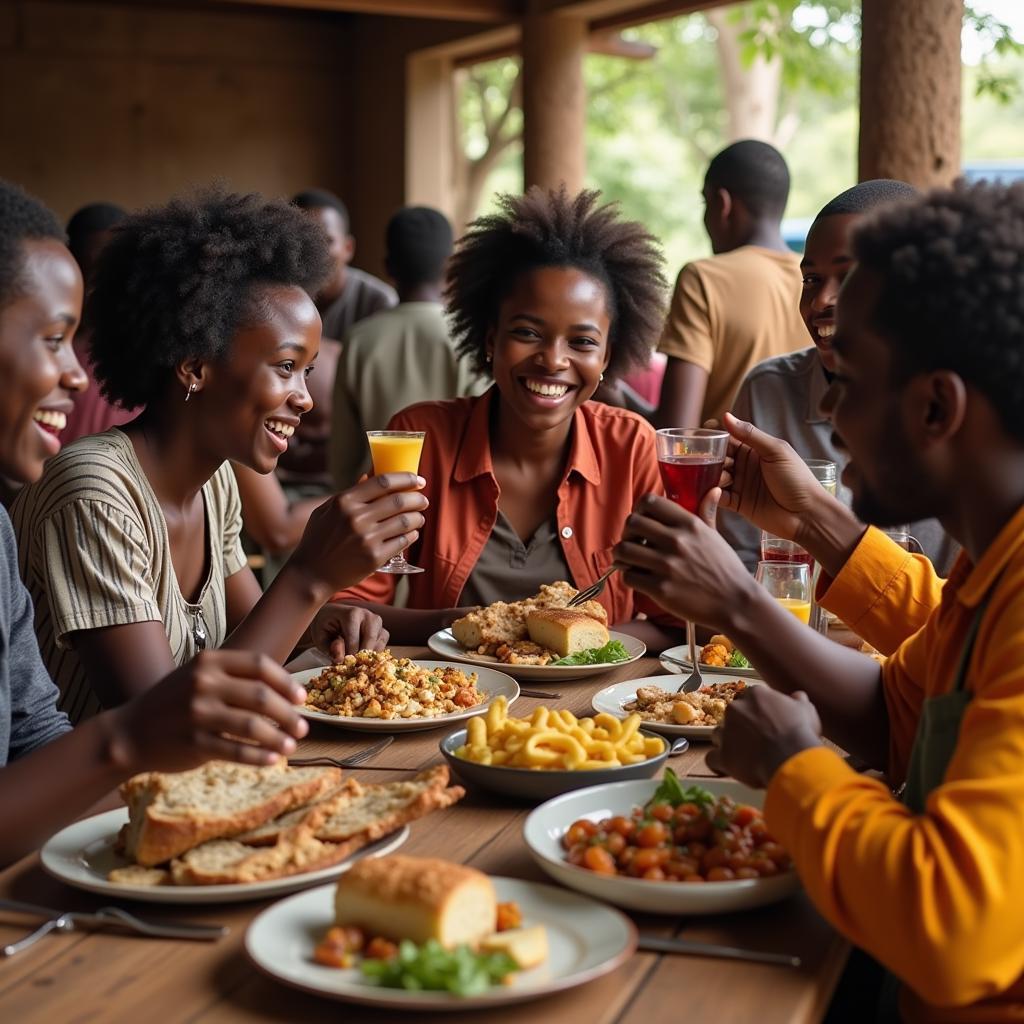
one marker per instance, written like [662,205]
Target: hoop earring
[600,380]
[191,391]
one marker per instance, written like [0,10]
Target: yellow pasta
[555,740]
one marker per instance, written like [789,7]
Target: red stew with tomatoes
[681,834]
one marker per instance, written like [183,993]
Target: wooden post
[430,133]
[554,100]
[910,90]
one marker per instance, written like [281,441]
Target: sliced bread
[566,630]
[314,813]
[135,874]
[172,813]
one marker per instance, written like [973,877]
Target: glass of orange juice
[790,584]
[396,451]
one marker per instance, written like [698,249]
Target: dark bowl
[542,784]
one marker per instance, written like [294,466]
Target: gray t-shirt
[782,396]
[363,296]
[28,699]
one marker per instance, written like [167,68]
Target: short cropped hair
[178,281]
[553,229]
[867,195]
[321,199]
[419,244]
[755,173]
[22,217]
[89,220]
[952,270]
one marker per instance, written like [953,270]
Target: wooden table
[106,977]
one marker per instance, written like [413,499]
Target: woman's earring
[600,379]
[490,358]
[191,391]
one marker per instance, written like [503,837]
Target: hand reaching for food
[341,629]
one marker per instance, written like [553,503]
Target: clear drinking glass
[825,473]
[396,451]
[790,584]
[902,536]
[691,461]
[778,549]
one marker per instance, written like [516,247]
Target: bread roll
[528,947]
[417,898]
[566,630]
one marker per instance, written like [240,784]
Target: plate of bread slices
[373,691]
[412,933]
[539,637]
[227,832]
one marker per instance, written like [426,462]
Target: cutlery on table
[693,681]
[352,761]
[542,694]
[68,920]
[594,590]
[657,944]
[679,746]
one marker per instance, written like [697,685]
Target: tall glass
[691,461]
[827,474]
[396,451]
[790,584]
[902,536]
[778,549]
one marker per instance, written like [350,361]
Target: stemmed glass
[790,584]
[691,461]
[396,451]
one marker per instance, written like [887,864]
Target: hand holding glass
[790,584]
[396,451]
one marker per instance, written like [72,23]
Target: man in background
[741,305]
[399,356]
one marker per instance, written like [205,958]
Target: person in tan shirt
[740,306]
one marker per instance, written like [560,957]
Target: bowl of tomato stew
[664,847]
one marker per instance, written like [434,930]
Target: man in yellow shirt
[741,305]
[927,404]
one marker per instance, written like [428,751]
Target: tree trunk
[910,90]
[751,93]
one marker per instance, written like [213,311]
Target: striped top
[93,551]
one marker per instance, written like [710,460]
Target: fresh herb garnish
[671,791]
[433,968]
[612,652]
[737,660]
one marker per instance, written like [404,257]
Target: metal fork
[693,681]
[346,762]
[594,590]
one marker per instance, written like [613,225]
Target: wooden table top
[100,977]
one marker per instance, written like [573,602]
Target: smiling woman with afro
[130,541]
[531,482]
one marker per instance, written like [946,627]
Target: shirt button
[566,532]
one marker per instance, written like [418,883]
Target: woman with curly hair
[130,542]
[530,482]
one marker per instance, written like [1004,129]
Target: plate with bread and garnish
[373,691]
[227,832]
[718,653]
[539,637]
[412,933]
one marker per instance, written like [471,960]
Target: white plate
[83,854]
[612,698]
[586,940]
[445,644]
[489,681]
[544,828]
[683,654]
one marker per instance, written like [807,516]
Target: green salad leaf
[611,652]
[737,660]
[433,968]
[670,790]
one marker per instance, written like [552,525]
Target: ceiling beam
[486,11]
[616,13]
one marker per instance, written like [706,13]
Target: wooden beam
[488,11]
[611,14]
[606,43]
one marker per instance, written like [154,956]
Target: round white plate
[445,644]
[544,828]
[612,698]
[489,681]
[83,855]
[585,939]
[682,653]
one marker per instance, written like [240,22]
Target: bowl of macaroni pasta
[550,752]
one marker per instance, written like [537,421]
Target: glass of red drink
[778,549]
[690,460]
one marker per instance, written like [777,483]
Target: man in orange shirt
[927,403]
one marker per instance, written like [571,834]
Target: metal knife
[657,944]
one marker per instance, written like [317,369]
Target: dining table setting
[75,955]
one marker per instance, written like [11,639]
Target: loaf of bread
[169,814]
[566,630]
[418,899]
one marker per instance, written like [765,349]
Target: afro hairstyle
[550,228]
[178,281]
[951,265]
[22,217]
